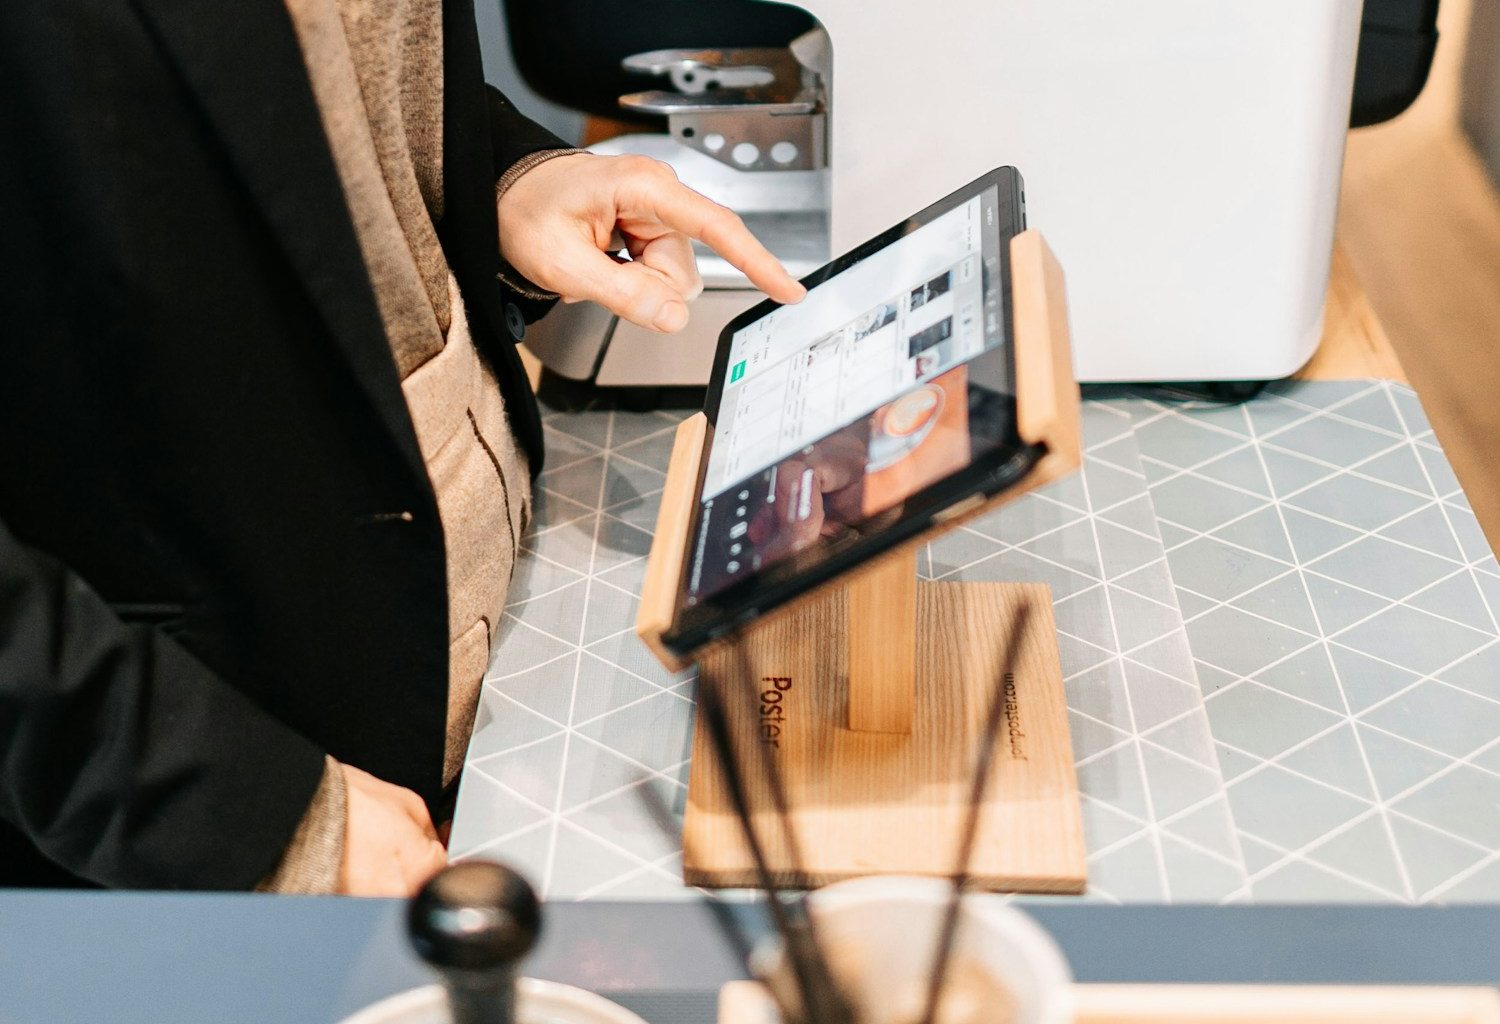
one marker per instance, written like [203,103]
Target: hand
[561,221]
[390,847]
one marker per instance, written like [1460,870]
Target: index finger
[721,229]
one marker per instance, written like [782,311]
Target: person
[265,439]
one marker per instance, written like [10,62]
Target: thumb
[633,290]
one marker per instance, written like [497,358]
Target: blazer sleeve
[123,758]
[517,140]
[513,135]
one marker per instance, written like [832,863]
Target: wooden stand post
[882,632]
[870,693]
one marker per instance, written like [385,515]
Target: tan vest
[376,68]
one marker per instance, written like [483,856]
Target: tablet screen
[891,375]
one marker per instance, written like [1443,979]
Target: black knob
[473,923]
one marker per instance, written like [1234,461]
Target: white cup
[537,1002]
[880,936]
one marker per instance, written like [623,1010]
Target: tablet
[848,423]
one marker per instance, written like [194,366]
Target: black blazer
[220,554]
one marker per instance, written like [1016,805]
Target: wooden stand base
[866,802]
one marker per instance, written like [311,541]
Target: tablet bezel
[695,626]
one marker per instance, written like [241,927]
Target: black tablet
[852,421]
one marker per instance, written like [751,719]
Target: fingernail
[673,316]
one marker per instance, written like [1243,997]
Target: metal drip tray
[799,240]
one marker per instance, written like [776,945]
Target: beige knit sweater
[376,68]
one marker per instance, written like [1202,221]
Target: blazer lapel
[244,66]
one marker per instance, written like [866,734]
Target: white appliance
[1182,158]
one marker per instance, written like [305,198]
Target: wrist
[313,861]
[509,275]
[530,162]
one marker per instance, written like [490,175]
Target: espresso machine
[1183,158]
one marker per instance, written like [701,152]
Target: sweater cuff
[313,859]
[508,275]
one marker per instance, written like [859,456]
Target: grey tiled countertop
[1276,624]
[1341,606]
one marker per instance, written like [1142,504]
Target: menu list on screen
[835,409]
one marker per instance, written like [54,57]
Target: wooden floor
[1354,343]
[1419,227]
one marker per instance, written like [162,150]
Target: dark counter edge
[166,957]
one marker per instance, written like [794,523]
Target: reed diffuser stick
[821,1001]
[988,741]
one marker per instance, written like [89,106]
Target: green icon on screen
[738,371]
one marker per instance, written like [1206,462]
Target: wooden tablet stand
[874,688]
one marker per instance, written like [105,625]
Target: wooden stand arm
[1046,392]
[669,544]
